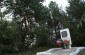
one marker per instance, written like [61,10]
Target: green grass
[30,52]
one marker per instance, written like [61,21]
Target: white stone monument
[65,35]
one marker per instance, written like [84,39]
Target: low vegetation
[32,51]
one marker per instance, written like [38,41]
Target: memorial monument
[65,36]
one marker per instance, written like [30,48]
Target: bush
[5,48]
[41,36]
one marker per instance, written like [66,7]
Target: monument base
[60,51]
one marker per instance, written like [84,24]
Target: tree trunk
[23,33]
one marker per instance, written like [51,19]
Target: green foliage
[32,51]
[54,9]
[8,34]
[41,36]
[76,10]
[23,11]
[28,8]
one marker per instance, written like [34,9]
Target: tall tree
[54,16]
[23,11]
[76,10]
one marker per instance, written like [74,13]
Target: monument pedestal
[60,51]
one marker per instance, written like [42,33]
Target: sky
[60,3]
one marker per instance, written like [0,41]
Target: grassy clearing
[30,52]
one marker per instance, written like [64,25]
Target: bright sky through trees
[62,3]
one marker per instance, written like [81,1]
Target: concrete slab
[60,51]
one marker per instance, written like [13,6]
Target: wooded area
[34,25]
